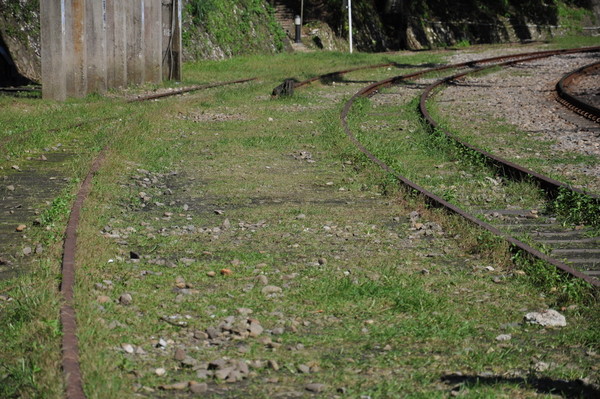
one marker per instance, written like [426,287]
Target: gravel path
[522,96]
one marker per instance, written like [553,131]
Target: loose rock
[546,318]
[317,388]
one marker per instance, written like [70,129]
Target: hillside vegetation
[217,29]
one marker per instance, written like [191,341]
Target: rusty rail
[437,201]
[573,102]
[70,344]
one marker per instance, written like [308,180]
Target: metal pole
[302,12]
[350,23]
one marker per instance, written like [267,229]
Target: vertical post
[53,40]
[177,40]
[167,37]
[298,24]
[171,41]
[350,24]
[95,36]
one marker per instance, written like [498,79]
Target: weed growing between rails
[577,208]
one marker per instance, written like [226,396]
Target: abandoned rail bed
[489,188]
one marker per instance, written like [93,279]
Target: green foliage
[237,27]
[24,14]
[577,208]
[562,287]
[57,210]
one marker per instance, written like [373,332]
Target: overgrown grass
[380,313]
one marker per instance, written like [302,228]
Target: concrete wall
[94,45]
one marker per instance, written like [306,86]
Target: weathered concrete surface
[90,46]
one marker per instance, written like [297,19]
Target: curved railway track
[580,250]
[68,316]
[586,104]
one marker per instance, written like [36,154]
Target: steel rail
[551,186]
[573,102]
[396,79]
[436,200]
[70,343]
[188,90]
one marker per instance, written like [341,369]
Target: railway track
[586,101]
[573,249]
[75,384]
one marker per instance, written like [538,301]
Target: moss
[22,19]
[233,27]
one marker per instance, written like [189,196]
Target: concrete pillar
[92,45]
[95,36]
[116,45]
[53,39]
[152,41]
[74,61]
[135,41]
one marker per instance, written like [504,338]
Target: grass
[377,309]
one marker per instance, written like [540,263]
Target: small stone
[304,369]
[125,299]
[178,386]
[198,387]
[179,354]
[244,311]
[314,387]
[189,361]
[541,367]
[546,318]
[322,261]
[160,371]
[200,335]
[223,373]
[15,167]
[10,188]
[103,299]
[219,211]
[212,332]
[211,273]
[273,364]
[271,289]
[278,331]
[128,348]
[27,251]
[262,279]
[301,216]
[255,328]
[503,337]
[226,272]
